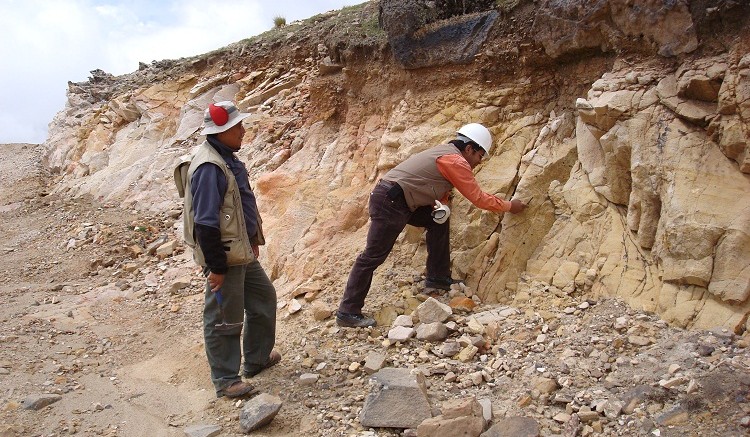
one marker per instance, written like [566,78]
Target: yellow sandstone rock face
[635,169]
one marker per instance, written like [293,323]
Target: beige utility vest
[231,223]
[419,177]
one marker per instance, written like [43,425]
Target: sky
[46,43]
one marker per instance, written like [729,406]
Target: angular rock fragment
[398,399]
[259,411]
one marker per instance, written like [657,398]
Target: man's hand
[256,250]
[215,280]
[516,206]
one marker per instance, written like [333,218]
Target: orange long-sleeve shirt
[458,172]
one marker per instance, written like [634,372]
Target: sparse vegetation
[356,25]
[371,27]
[279,21]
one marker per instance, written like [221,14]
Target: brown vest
[419,177]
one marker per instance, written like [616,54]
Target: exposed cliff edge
[625,127]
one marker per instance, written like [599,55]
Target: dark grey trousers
[250,296]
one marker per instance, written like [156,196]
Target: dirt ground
[117,335]
[127,358]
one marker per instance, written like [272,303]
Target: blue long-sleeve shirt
[209,185]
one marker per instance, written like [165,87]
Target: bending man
[411,193]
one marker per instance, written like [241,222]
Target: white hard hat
[478,134]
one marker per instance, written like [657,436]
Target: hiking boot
[439,283]
[353,320]
[237,389]
[273,358]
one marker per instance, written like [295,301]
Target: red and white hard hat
[221,116]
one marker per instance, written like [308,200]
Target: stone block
[432,310]
[513,427]
[166,249]
[465,426]
[398,399]
[467,353]
[308,379]
[486,404]
[453,408]
[475,327]
[259,411]
[202,430]
[403,320]
[462,303]
[460,417]
[432,331]
[401,333]
[449,348]
[151,247]
[374,362]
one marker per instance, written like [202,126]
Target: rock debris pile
[114,327]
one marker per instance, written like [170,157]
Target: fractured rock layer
[634,161]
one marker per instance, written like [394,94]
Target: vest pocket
[236,253]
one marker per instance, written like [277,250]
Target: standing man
[223,227]
[413,193]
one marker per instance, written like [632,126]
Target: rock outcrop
[625,129]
